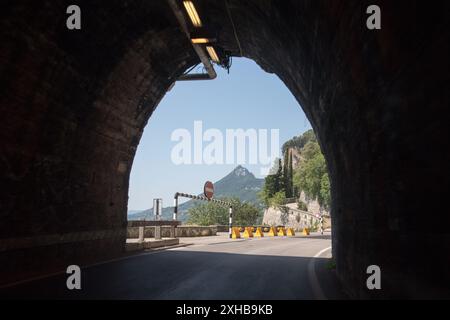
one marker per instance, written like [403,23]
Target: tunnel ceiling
[75,103]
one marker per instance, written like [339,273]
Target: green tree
[312,175]
[310,150]
[273,183]
[208,213]
[268,190]
[279,184]
[300,141]
[301,205]
[309,177]
[325,194]
[278,200]
[291,177]
[309,136]
[274,168]
[244,213]
[286,175]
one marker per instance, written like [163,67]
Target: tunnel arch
[243,98]
[76,104]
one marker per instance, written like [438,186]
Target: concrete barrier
[305,231]
[272,232]
[235,233]
[136,245]
[259,233]
[248,233]
[222,228]
[290,232]
[181,231]
[281,232]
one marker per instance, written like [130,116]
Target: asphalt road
[209,268]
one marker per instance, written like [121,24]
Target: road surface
[208,268]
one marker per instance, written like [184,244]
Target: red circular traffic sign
[208,189]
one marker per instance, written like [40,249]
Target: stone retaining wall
[182,231]
[296,219]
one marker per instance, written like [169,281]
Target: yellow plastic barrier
[259,233]
[305,231]
[235,234]
[281,231]
[290,232]
[272,232]
[248,233]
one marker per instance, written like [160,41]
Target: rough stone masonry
[74,104]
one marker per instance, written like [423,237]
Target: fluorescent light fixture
[192,12]
[212,53]
[200,40]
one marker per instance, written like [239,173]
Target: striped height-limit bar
[191,196]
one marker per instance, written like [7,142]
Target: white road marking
[317,290]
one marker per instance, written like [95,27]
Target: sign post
[157,211]
[157,208]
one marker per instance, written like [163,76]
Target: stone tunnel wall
[74,105]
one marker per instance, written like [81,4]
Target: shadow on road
[187,275]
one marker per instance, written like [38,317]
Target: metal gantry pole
[175,206]
[223,203]
[230,221]
[321,224]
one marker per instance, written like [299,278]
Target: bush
[211,213]
[207,214]
[301,205]
[314,227]
[279,199]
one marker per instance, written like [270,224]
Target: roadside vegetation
[285,182]
[210,213]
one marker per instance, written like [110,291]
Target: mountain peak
[241,171]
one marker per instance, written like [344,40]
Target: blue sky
[246,98]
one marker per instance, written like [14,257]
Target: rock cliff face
[294,218]
[313,205]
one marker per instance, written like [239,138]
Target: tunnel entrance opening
[235,136]
[74,106]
